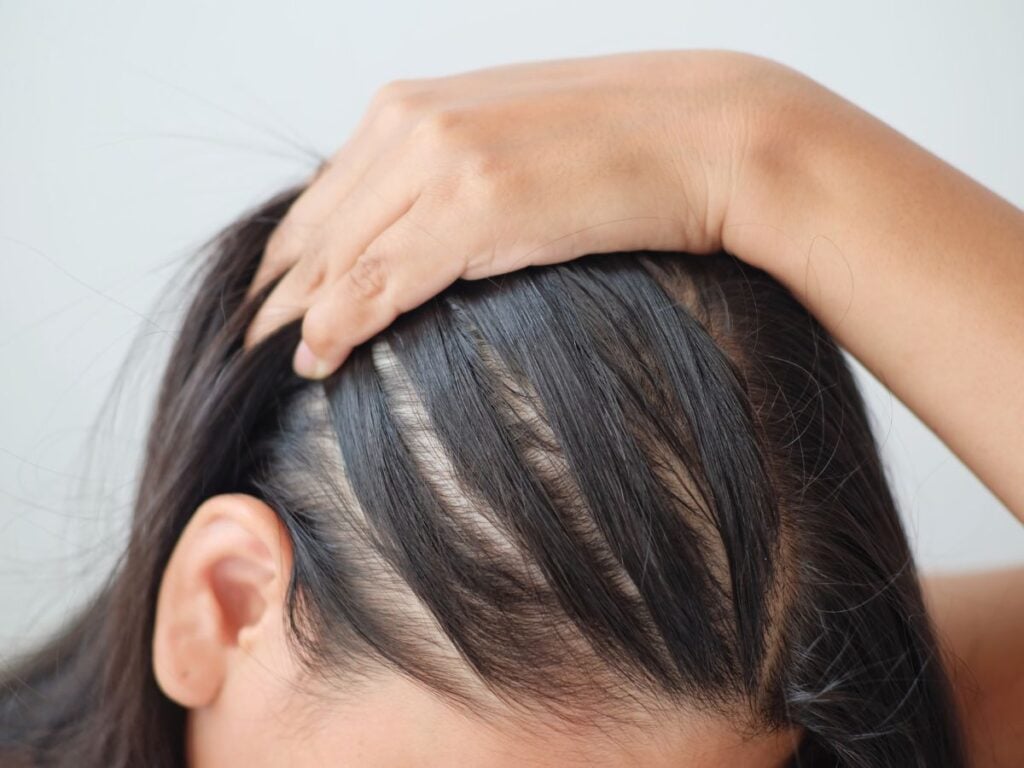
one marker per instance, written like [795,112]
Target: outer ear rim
[194,640]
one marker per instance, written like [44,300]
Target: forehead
[396,723]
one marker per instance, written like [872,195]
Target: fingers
[342,236]
[288,301]
[291,234]
[391,115]
[399,270]
[297,231]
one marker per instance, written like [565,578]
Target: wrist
[793,172]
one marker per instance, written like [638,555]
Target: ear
[229,570]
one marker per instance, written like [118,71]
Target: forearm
[915,268]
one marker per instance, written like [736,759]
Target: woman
[625,511]
[914,267]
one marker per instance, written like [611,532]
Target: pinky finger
[402,268]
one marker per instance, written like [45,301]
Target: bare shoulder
[979,619]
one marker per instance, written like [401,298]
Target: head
[622,511]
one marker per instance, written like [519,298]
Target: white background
[131,131]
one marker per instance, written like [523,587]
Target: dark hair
[636,477]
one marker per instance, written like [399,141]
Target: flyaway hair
[603,490]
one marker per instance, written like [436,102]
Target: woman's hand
[913,266]
[489,171]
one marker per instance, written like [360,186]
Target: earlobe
[230,565]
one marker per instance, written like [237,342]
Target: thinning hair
[608,490]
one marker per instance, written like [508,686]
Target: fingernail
[308,365]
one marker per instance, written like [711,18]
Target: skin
[220,649]
[980,623]
[485,172]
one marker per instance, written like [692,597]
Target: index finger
[382,125]
[294,230]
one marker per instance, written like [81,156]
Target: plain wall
[130,132]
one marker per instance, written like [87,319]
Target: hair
[628,483]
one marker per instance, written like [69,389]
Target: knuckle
[394,88]
[480,174]
[443,128]
[447,120]
[402,109]
[488,175]
[398,99]
[368,277]
[485,165]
